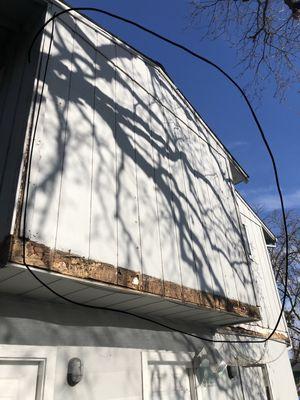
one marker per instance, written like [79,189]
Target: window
[168,376]
[246,241]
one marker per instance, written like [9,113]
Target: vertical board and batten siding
[124,172]
[265,285]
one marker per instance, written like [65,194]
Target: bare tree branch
[265,34]
[278,256]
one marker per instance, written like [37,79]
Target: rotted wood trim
[128,278]
[39,255]
[152,285]
[172,290]
[237,330]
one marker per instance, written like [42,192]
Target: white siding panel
[265,286]
[242,269]
[234,261]
[103,234]
[50,141]
[272,309]
[178,159]
[74,209]
[165,94]
[198,197]
[221,225]
[39,141]
[129,249]
[210,205]
[119,177]
[168,222]
[146,175]
[106,47]
[192,273]
[253,232]
[181,208]
[280,373]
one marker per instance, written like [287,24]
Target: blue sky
[217,101]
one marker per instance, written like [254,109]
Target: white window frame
[167,357]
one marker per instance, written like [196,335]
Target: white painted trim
[44,355]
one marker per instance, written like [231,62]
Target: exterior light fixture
[210,358]
[75,371]
[207,365]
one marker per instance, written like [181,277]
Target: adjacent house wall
[265,285]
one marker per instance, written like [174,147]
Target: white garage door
[18,380]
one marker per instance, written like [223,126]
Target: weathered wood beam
[258,333]
[41,256]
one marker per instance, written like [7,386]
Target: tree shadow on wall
[113,161]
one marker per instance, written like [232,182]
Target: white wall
[117,350]
[265,285]
[280,374]
[124,172]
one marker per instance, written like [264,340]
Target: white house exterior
[127,200]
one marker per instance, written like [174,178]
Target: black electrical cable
[29,161]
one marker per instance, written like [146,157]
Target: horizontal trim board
[237,330]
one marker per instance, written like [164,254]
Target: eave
[268,234]
[144,294]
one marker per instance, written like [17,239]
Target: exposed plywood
[255,332]
[71,265]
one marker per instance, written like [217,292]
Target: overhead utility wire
[29,161]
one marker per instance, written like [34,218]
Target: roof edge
[238,173]
[268,234]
